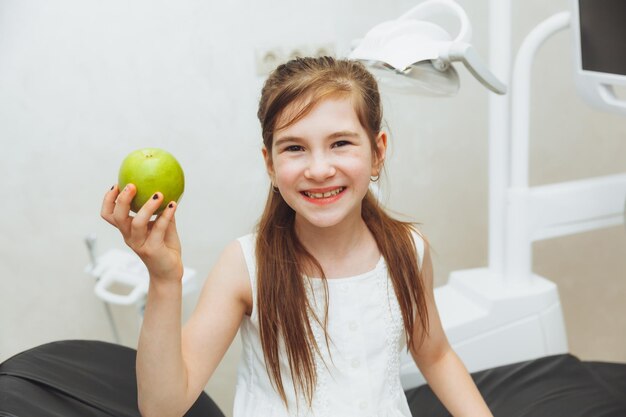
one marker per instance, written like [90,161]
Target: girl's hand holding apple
[155,241]
[145,176]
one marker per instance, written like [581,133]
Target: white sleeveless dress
[366,336]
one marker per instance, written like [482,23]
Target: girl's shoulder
[420,242]
[232,265]
[247,244]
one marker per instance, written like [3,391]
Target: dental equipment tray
[78,378]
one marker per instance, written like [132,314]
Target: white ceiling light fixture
[414,54]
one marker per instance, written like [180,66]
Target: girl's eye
[340,143]
[294,148]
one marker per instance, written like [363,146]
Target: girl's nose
[320,168]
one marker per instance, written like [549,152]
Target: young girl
[326,293]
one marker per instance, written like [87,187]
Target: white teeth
[324,195]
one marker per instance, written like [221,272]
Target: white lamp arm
[464,52]
[429,8]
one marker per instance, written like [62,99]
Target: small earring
[275,188]
[374,178]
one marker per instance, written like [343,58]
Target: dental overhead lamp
[415,54]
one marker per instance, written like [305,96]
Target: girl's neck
[336,247]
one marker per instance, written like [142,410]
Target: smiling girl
[327,291]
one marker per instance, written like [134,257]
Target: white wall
[84,82]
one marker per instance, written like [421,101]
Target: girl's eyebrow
[339,134]
[343,134]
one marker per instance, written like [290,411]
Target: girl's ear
[269,166]
[381,151]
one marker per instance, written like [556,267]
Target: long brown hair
[282,303]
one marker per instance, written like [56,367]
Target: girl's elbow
[147,409]
[144,409]
[429,354]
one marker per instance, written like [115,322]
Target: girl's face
[322,163]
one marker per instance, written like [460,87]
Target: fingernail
[170,205]
[154,197]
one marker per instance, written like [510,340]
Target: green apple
[152,170]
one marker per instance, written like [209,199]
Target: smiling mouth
[324,195]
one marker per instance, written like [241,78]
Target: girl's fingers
[171,234]
[108,204]
[122,208]
[164,228]
[140,225]
[139,231]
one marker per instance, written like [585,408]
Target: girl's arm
[440,365]
[173,364]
